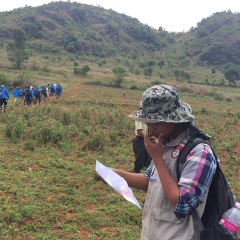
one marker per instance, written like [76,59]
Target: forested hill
[216,39]
[74,29]
[80,28]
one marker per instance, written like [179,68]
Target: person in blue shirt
[44,92]
[15,94]
[28,96]
[22,92]
[51,90]
[37,95]
[4,96]
[55,89]
[58,90]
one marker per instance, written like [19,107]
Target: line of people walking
[55,90]
[29,95]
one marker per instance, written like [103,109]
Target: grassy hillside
[61,33]
[48,155]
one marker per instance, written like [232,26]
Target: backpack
[220,198]
[28,93]
[58,89]
[36,93]
[44,90]
[1,93]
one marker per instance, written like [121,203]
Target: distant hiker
[55,89]
[15,94]
[48,90]
[51,90]
[4,96]
[37,95]
[28,96]
[58,90]
[44,93]
[22,94]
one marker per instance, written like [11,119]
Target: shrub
[137,72]
[57,135]
[120,72]
[14,131]
[81,71]
[96,142]
[66,118]
[45,134]
[218,96]
[30,145]
[134,87]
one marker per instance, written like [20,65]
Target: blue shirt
[5,93]
[15,93]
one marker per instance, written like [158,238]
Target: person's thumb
[160,137]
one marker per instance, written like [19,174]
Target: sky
[172,15]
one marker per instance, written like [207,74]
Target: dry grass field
[48,188]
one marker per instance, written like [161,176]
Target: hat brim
[179,115]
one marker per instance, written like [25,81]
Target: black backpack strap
[192,143]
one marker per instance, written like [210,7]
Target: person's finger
[153,139]
[146,139]
[160,137]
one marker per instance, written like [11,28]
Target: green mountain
[81,29]
[86,32]
[216,39]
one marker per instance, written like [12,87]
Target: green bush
[134,87]
[14,131]
[228,99]
[96,142]
[57,135]
[45,134]
[218,96]
[30,145]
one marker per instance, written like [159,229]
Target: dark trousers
[4,102]
[58,94]
[44,96]
[28,101]
[142,157]
[37,99]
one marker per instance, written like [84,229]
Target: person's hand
[132,139]
[154,146]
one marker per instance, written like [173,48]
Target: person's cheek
[156,133]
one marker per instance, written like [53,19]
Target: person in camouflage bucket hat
[162,103]
[170,201]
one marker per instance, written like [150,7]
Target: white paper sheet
[117,182]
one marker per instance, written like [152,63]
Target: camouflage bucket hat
[162,103]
